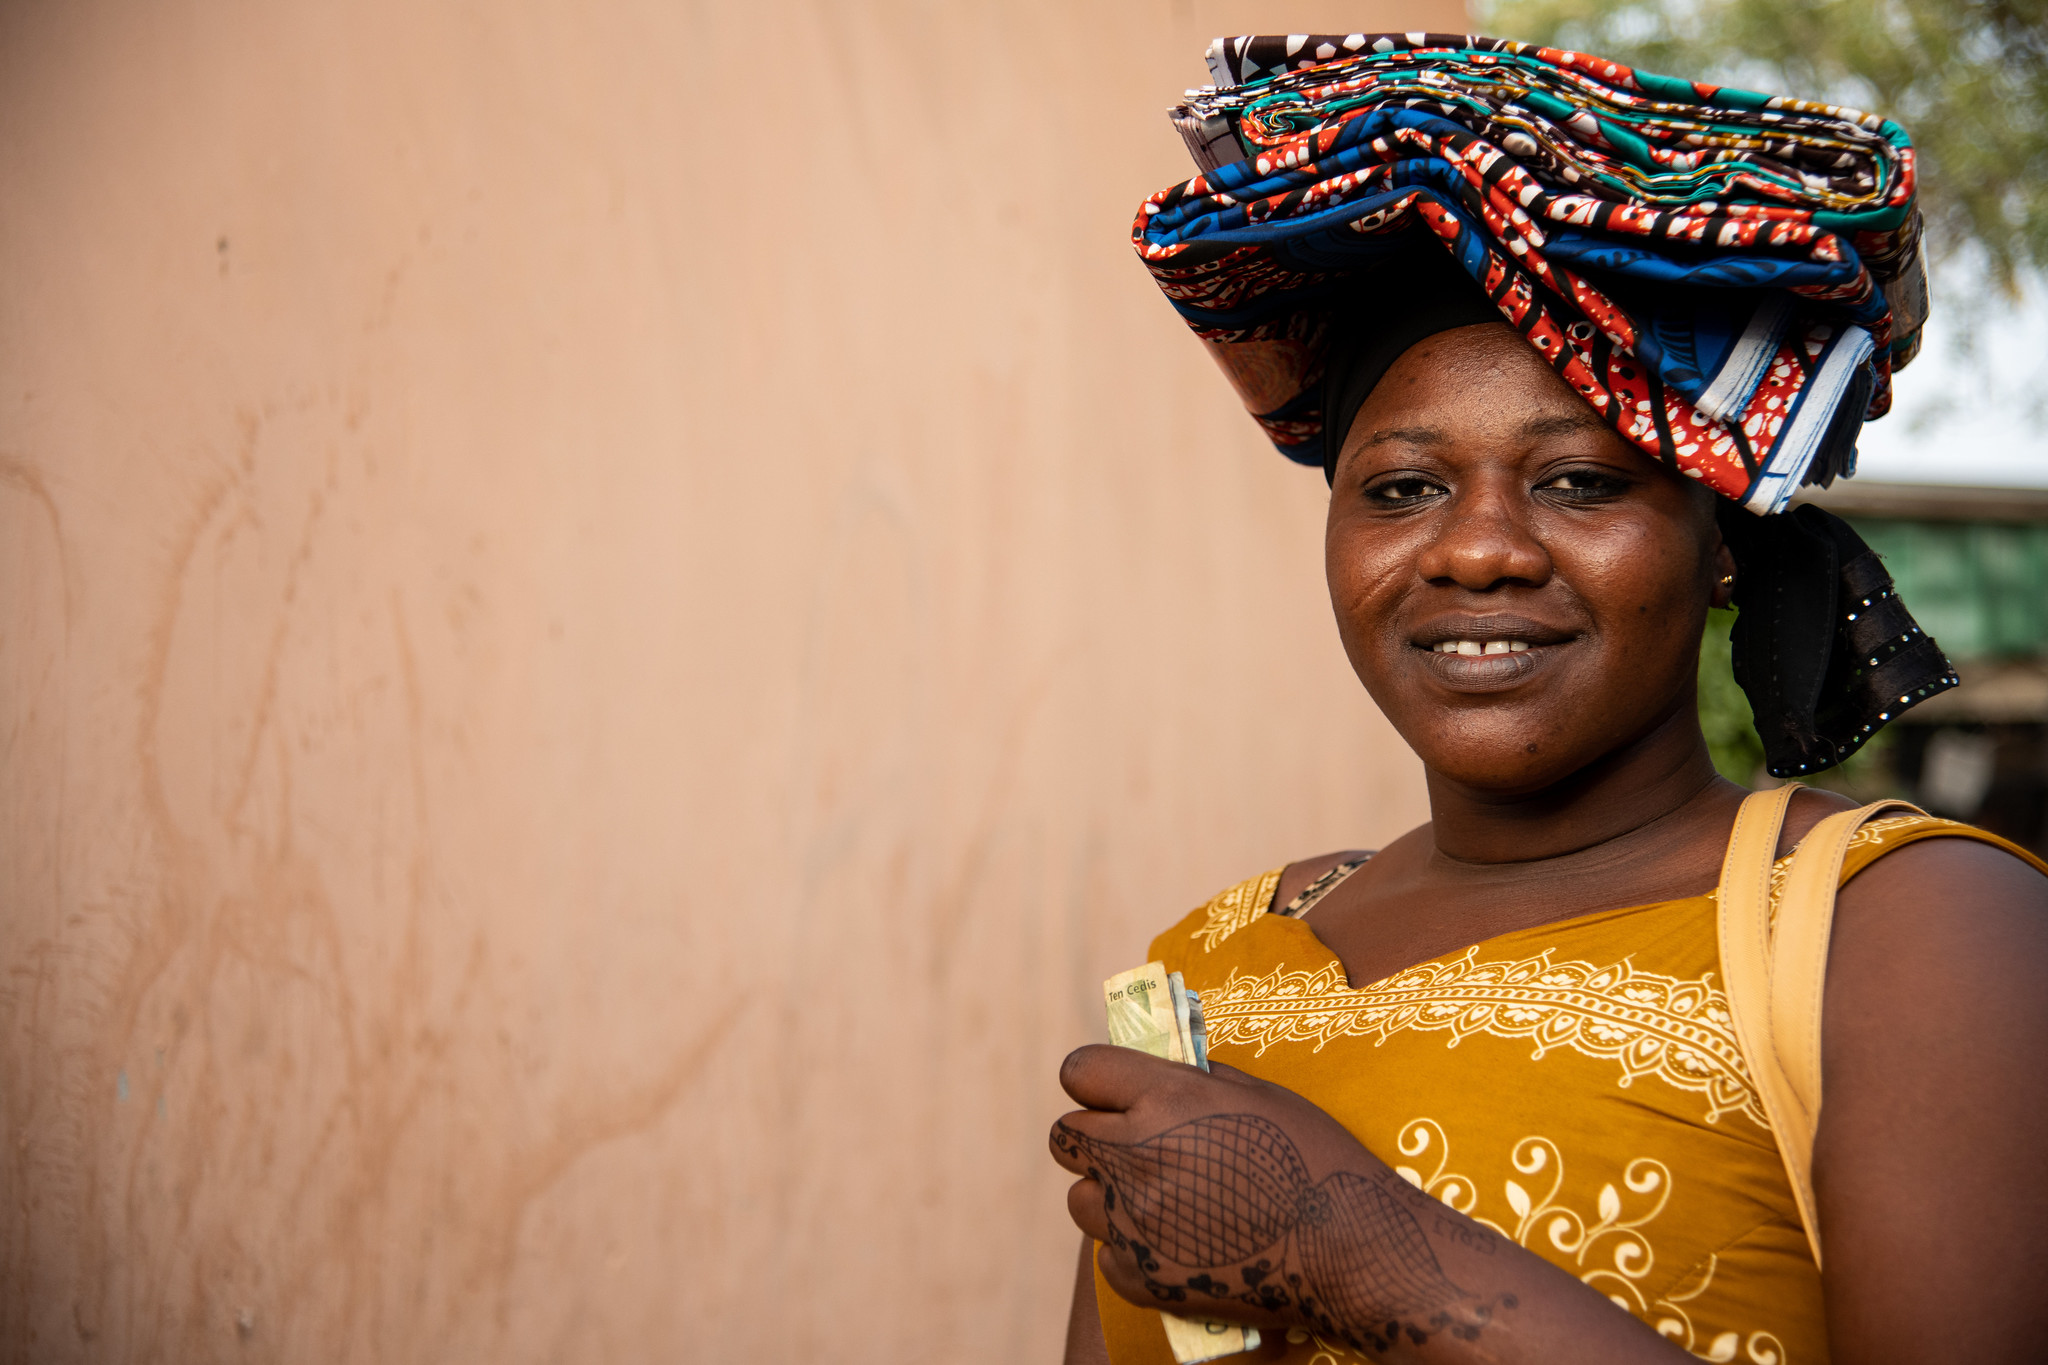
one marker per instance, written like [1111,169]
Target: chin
[1502,777]
[1488,750]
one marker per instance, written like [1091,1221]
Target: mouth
[1489,653]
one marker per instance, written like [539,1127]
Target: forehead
[1488,357]
[1480,382]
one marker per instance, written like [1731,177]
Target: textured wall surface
[609,616]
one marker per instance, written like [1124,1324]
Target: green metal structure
[1980,588]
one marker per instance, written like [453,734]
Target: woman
[1477,1096]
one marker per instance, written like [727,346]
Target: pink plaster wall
[609,615]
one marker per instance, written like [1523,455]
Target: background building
[1972,563]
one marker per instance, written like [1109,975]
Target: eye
[1585,485]
[1404,490]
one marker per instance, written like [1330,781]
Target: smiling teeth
[1483,647]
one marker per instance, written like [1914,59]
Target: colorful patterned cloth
[1728,278]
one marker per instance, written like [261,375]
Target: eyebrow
[1414,436]
[1561,424]
[1553,424]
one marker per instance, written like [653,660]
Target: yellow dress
[1577,1087]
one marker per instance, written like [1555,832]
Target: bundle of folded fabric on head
[1728,278]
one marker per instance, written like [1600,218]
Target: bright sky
[1969,414]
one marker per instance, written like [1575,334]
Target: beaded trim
[1886,651]
[1322,886]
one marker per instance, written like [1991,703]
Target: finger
[1120,1268]
[1089,1209]
[1076,1137]
[1105,1077]
[1069,1142]
[1270,1093]
[1224,1071]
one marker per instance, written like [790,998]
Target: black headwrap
[1411,298]
[1823,647]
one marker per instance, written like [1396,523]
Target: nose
[1484,542]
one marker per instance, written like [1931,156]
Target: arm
[1220,1195]
[1085,1345]
[1929,1167]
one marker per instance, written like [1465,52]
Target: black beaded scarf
[1823,647]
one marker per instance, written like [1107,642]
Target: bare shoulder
[1947,887]
[1934,1047]
[1935,926]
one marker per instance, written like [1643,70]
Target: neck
[1665,774]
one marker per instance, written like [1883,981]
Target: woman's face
[1520,590]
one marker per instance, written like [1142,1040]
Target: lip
[1496,626]
[1489,672]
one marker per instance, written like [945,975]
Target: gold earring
[1727,580]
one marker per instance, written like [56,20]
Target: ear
[1722,563]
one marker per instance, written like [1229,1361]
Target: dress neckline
[1307,931]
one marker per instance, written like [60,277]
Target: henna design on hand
[1230,1193]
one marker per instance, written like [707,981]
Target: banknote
[1152,1010]
[1198,1031]
[1179,989]
[1192,1340]
[1141,1012]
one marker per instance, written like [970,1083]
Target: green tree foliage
[1725,716]
[1968,79]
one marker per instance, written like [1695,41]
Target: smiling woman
[1517,1087]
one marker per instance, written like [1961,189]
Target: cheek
[1639,581]
[1364,571]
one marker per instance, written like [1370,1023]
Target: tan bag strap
[1776,977]
[1744,914]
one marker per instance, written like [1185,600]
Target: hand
[1223,1196]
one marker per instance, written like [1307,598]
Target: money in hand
[1142,1013]
[1152,1010]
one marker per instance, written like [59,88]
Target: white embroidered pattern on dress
[1653,1025]
[1610,1249]
[1233,909]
